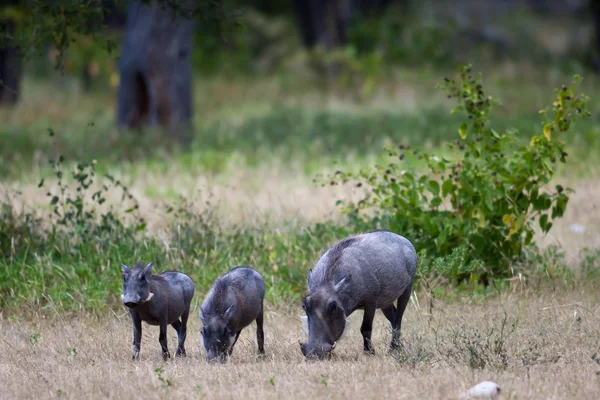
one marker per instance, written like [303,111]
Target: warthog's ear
[304,320]
[229,313]
[125,269]
[148,270]
[308,278]
[343,284]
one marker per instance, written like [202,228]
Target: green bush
[488,198]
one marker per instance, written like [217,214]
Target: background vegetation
[79,196]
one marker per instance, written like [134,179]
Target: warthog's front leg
[137,334]
[237,335]
[162,338]
[367,327]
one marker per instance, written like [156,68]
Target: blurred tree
[155,69]
[595,9]
[322,22]
[155,61]
[325,22]
[10,59]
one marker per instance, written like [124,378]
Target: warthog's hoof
[180,353]
[135,355]
[369,351]
[166,356]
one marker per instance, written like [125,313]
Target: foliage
[77,212]
[486,199]
[69,260]
[61,23]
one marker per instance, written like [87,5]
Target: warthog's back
[178,286]
[241,286]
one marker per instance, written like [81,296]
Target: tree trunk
[10,66]
[155,70]
[322,22]
[595,11]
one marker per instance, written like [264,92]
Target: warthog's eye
[305,304]
[203,331]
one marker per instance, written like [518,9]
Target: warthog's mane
[139,266]
[335,254]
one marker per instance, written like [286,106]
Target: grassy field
[533,346]
[249,198]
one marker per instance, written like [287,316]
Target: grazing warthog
[158,300]
[234,301]
[366,271]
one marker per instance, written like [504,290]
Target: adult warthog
[368,271]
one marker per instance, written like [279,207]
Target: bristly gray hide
[368,271]
[157,300]
[234,301]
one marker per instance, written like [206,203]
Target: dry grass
[546,354]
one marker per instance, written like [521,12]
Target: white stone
[577,228]
[483,390]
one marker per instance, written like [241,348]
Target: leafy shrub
[488,198]
[79,212]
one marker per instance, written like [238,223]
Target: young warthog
[157,300]
[366,271]
[234,301]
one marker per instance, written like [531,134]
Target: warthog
[158,300]
[234,301]
[368,271]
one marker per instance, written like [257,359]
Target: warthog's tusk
[333,346]
[150,296]
[300,342]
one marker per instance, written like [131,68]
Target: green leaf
[54,200]
[41,183]
[544,222]
[457,109]
[436,202]
[434,187]
[542,203]
[462,130]
[447,187]
[507,219]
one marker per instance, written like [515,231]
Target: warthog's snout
[216,358]
[319,351]
[131,301]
